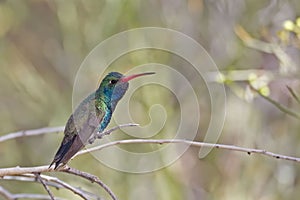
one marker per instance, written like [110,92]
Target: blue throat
[110,96]
[105,121]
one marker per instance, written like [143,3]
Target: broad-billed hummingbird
[92,115]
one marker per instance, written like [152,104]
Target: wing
[68,140]
[87,119]
[79,128]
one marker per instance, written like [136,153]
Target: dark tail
[62,151]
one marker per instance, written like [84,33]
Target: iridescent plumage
[92,115]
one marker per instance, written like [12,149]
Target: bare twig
[62,183]
[9,196]
[52,181]
[31,171]
[46,130]
[277,105]
[24,170]
[48,183]
[192,143]
[293,94]
[91,178]
[28,171]
[6,194]
[100,135]
[30,179]
[38,176]
[69,187]
[38,170]
[33,132]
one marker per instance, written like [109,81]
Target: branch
[293,94]
[60,182]
[91,178]
[38,177]
[31,171]
[9,196]
[37,170]
[28,171]
[192,143]
[23,170]
[51,181]
[67,186]
[100,135]
[32,132]
[277,105]
[41,131]
[30,178]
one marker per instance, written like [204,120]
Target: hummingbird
[92,115]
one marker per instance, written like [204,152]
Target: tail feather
[62,151]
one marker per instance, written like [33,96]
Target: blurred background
[43,43]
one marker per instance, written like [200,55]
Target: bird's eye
[113,81]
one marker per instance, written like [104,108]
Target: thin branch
[6,194]
[9,196]
[62,183]
[27,171]
[38,176]
[30,171]
[100,135]
[71,188]
[48,183]
[192,143]
[30,179]
[33,132]
[40,169]
[41,131]
[91,178]
[293,94]
[23,170]
[277,105]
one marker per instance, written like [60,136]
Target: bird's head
[114,86]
